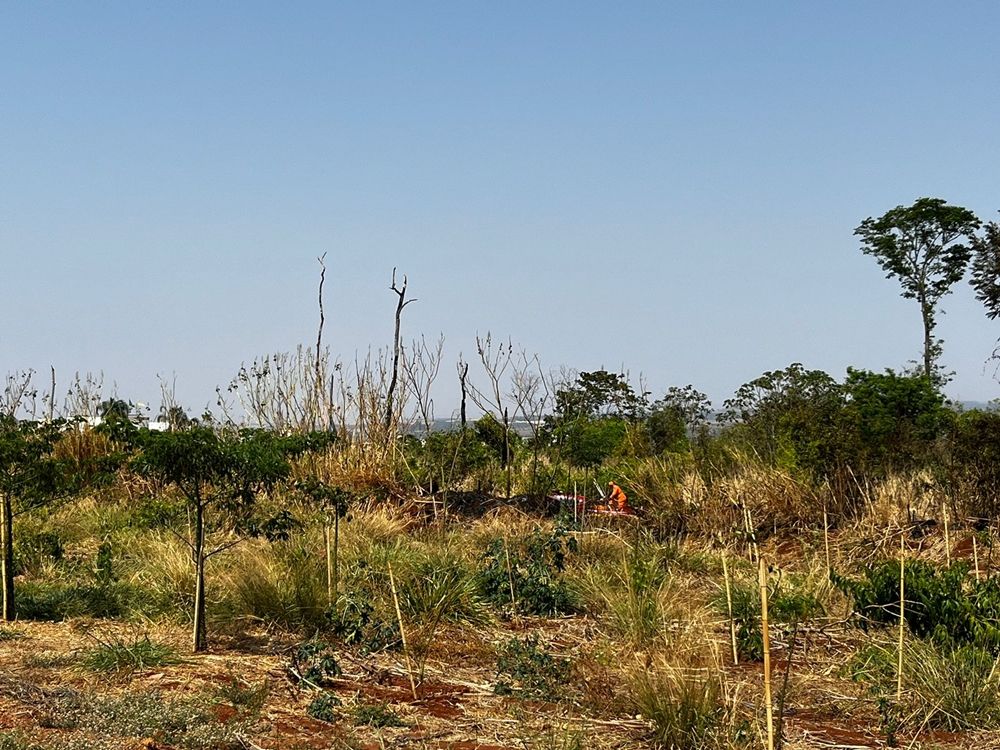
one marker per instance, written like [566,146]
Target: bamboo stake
[826,540]
[902,621]
[947,538]
[329,564]
[510,578]
[729,606]
[402,633]
[767,654]
[975,555]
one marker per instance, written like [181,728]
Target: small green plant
[118,654]
[354,621]
[526,669]
[323,707]
[377,715]
[888,719]
[313,662]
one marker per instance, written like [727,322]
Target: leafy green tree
[599,394]
[926,247]
[789,417]
[673,419]
[894,418]
[500,440]
[222,472]
[30,476]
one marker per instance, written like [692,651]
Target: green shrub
[942,604]
[313,662]
[788,601]
[534,567]
[354,620]
[525,668]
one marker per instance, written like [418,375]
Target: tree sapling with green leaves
[222,472]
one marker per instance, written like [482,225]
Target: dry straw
[402,633]
[902,606]
[729,607]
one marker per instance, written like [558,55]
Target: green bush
[354,620]
[787,602]
[525,668]
[941,603]
[535,567]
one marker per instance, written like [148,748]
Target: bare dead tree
[84,396]
[320,388]
[277,391]
[463,376]
[496,359]
[401,302]
[531,394]
[421,365]
[18,394]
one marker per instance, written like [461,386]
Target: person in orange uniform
[617,499]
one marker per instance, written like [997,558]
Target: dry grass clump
[688,703]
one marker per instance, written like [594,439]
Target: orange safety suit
[617,499]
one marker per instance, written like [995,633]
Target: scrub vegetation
[320,563]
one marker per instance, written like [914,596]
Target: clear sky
[669,187]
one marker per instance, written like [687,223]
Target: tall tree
[926,247]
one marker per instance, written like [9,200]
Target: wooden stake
[826,540]
[975,555]
[947,538]
[902,621]
[767,653]
[329,564]
[510,578]
[729,606]
[402,633]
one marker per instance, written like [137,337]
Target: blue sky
[667,187]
